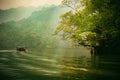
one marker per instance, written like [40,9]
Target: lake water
[58,64]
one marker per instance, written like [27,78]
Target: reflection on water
[59,64]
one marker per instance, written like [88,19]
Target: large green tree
[93,23]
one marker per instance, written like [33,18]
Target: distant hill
[16,14]
[34,31]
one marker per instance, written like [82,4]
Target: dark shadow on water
[107,67]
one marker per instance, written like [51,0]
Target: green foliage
[14,14]
[34,32]
[95,24]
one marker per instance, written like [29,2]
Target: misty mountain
[34,32]
[15,14]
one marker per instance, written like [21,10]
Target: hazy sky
[6,4]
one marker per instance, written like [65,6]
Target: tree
[94,23]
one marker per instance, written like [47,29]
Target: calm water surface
[58,64]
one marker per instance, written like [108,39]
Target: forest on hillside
[33,30]
[90,23]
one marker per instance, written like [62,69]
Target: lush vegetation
[15,14]
[93,23]
[33,32]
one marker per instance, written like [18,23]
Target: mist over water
[48,56]
[46,64]
[57,64]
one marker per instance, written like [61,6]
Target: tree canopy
[93,23]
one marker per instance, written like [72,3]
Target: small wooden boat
[20,48]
